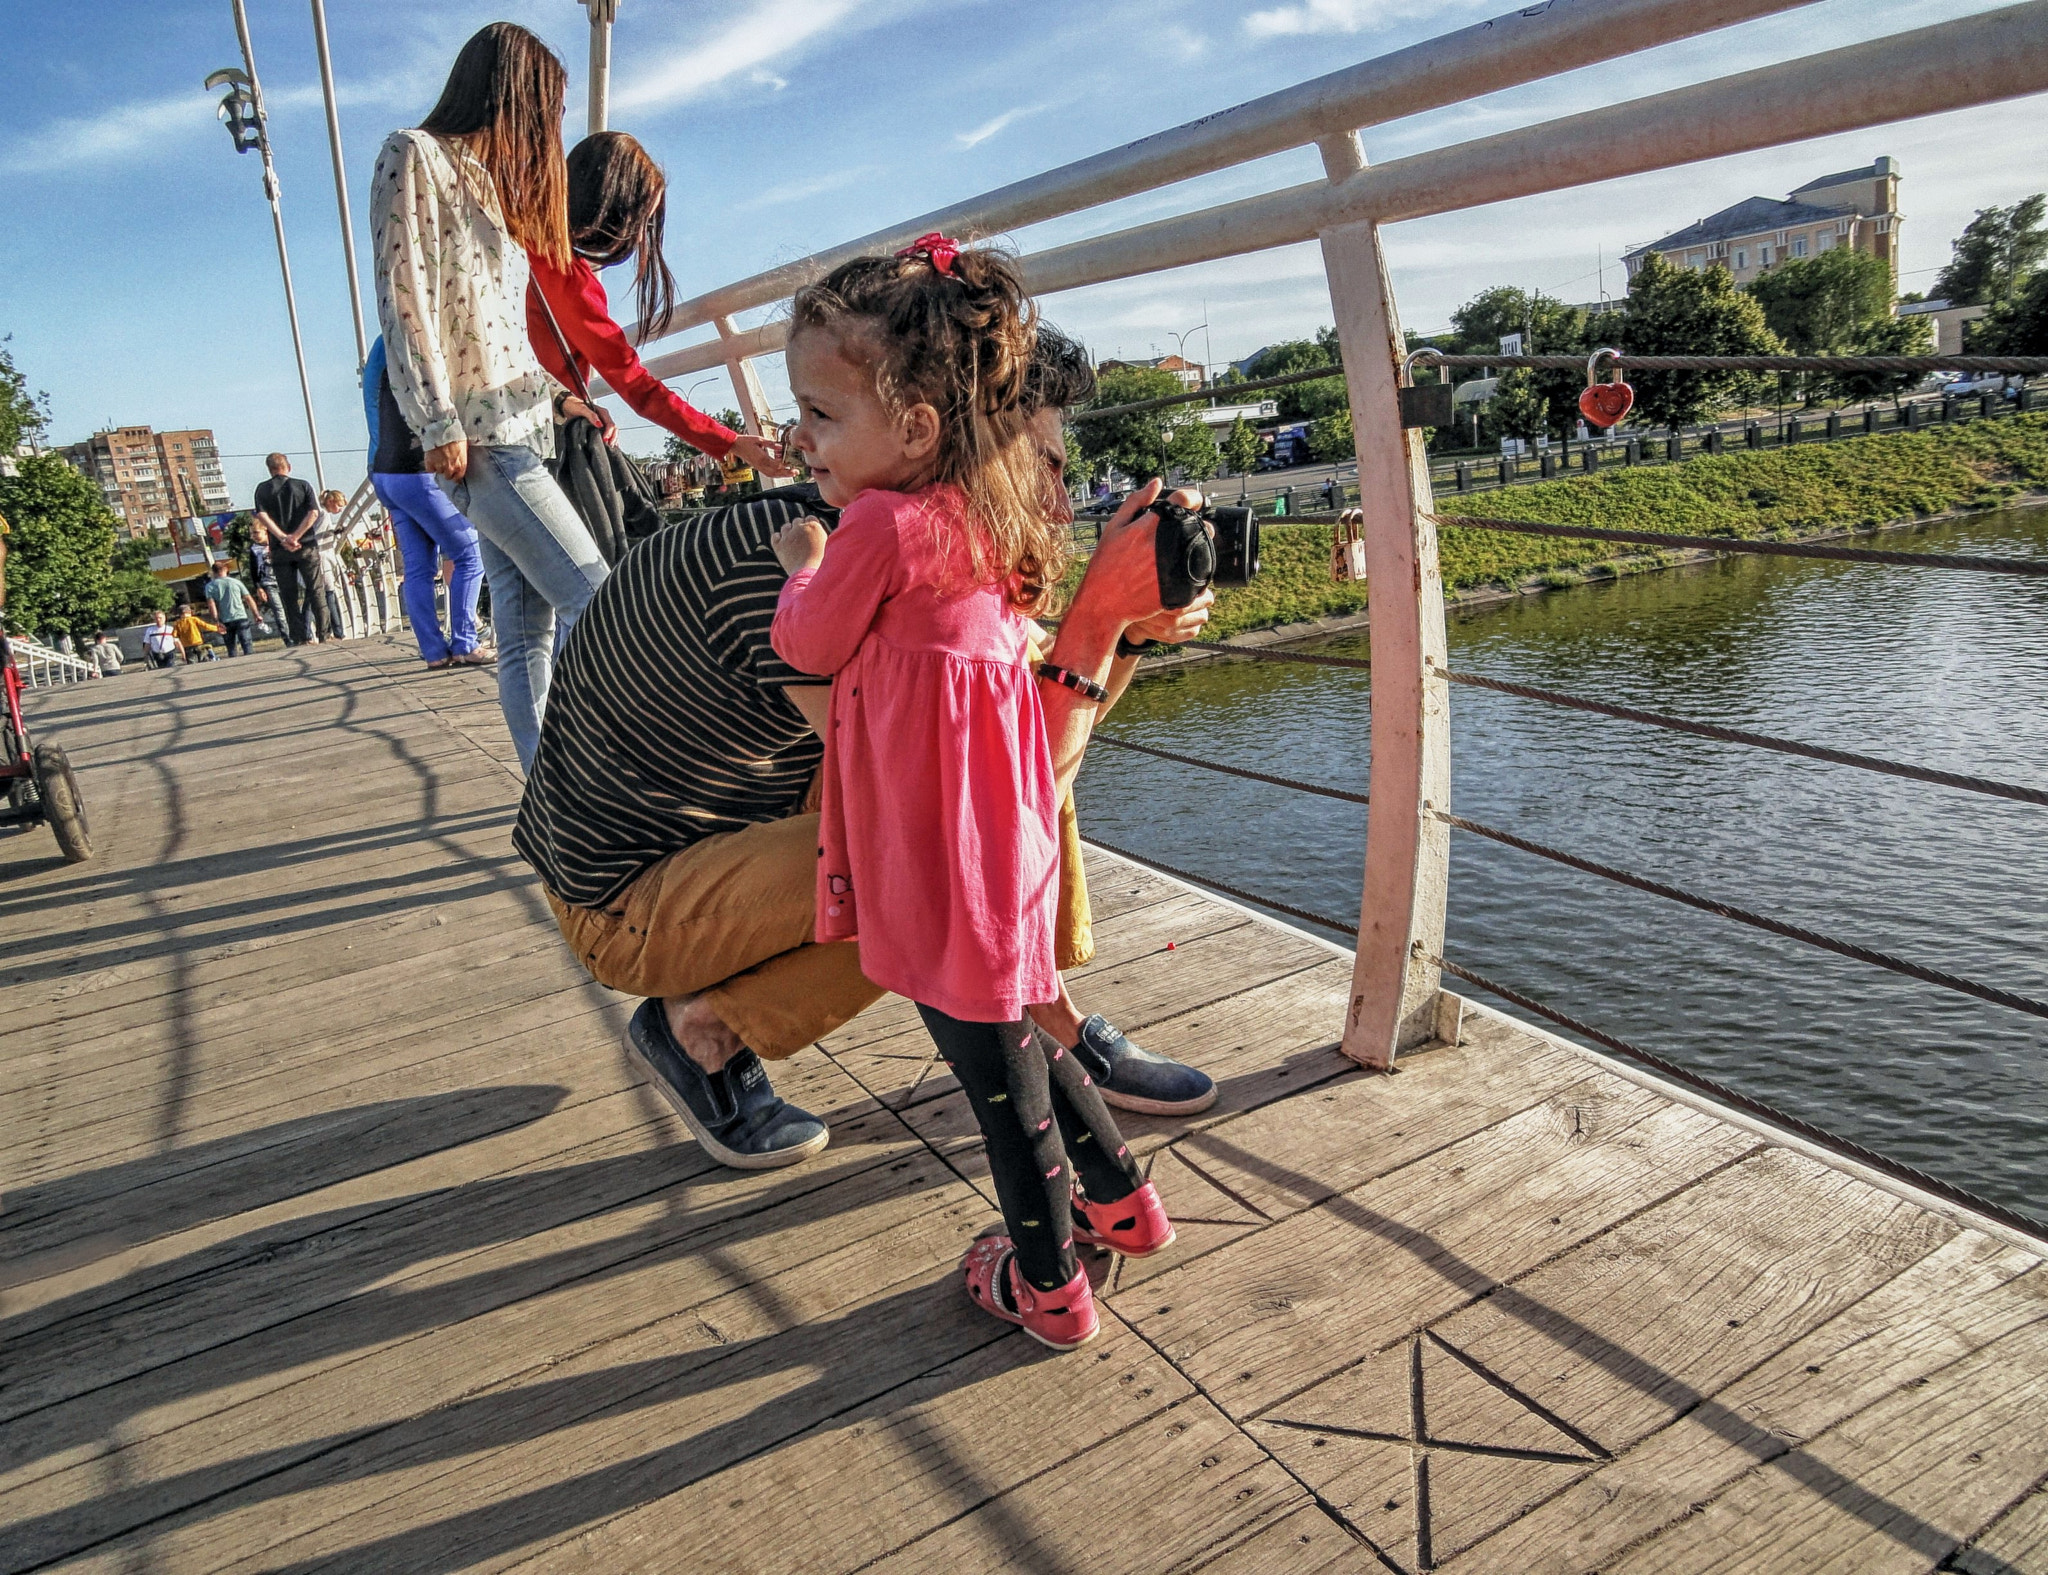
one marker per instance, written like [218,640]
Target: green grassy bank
[1782,495]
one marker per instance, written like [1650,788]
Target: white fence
[1396,999]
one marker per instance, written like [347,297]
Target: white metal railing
[43,668]
[1396,999]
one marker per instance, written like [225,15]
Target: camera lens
[1236,550]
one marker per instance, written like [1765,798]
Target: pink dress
[939,812]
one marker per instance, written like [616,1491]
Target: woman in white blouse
[454,208]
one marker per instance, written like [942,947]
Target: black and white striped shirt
[666,718]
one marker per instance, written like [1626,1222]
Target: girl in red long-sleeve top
[618,204]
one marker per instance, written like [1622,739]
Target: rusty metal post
[1395,981]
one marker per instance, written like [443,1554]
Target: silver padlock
[1347,547]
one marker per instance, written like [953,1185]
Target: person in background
[456,208]
[618,209]
[290,516]
[191,631]
[159,642]
[105,655]
[431,531]
[332,506]
[232,609]
[269,599]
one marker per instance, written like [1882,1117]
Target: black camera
[1199,548]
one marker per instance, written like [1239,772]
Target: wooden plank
[1266,1317]
[623,1424]
[334,1437]
[2017,1540]
[1966,1293]
[1900,1486]
[1188,1489]
[891,1470]
[323,1263]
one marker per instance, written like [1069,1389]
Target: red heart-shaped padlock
[1604,404]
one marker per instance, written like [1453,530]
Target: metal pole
[284,262]
[602,13]
[348,231]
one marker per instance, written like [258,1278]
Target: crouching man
[665,811]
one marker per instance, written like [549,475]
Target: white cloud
[988,128]
[742,48]
[1183,44]
[768,79]
[803,190]
[1336,16]
[113,133]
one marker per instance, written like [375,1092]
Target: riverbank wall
[1796,494]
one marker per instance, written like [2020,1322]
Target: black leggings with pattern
[1040,1115]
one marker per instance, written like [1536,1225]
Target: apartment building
[1191,376]
[150,478]
[1857,208]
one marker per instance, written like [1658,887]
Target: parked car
[1985,383]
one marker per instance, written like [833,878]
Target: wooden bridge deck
[338,1235]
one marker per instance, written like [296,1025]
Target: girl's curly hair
[961,342]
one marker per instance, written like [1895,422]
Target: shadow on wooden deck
[338,1235]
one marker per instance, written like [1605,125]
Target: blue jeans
[542,567]
[236,631]
[429,528]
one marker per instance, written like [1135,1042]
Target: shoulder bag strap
[562,339]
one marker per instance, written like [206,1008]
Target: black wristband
[1126,646]
[1087,688]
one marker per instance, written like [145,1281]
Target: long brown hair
[504,100]
[618,206]
[961,342]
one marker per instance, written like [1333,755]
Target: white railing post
[746,382]
[1395,977]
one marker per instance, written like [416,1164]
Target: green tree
[1518,408]
[2018,326]
[1824,305]
[1885,336]
[132,595]
[1304,401]
[1995,254]
[1148,442]
[131,552]
[1548,327]
[1330,437]
[1684,311]
[22,415]
[59,552]
[1242,447]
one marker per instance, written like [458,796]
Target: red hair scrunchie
[935,249]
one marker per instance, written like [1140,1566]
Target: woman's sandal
[1063,1319]
[1135,1226]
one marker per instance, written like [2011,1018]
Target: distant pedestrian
[290,513]
[430,530]
[192,630]
[269,598]
[340,609]
[159,642]
[105,655]
[232,609]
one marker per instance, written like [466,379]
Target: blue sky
[139,280]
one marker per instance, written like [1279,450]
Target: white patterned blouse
[451,296]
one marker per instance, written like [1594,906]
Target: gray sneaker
[732,1113]
[1135,1079]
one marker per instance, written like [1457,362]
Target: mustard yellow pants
[732,918]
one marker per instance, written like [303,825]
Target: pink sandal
[1063,1319]
[1135,1226]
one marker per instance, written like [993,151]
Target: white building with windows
[1858,208]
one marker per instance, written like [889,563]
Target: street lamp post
[242,110]
[1180,341]
[602,14]
[348,232]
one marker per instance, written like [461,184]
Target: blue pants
[542,566]
[429,528]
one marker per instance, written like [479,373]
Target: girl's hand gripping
[799,545]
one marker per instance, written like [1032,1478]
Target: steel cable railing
[1736,544]
[1733,735]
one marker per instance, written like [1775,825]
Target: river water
[1941,668]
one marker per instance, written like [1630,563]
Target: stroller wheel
[62,805]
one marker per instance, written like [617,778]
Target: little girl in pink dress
[939,847]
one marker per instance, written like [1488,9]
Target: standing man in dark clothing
[287,509]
